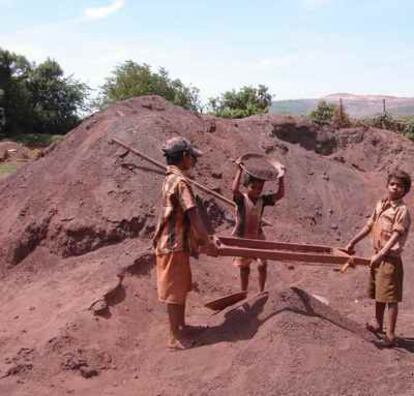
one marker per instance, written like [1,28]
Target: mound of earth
[78,304]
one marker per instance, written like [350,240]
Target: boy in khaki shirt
[179,220]
[389,225]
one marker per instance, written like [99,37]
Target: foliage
[242,103]
[340,118]
[408,130]
[55,99]
[384,121]
[132,79]
[38,98]
[323,114]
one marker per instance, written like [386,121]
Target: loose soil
[79,312]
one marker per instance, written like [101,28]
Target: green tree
[39,98]
[242,103]
[132,79]
[55,99]
[323,114]
[14,70]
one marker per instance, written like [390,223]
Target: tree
[243,103]
[14,69]
[323,114]
[55,100]
[39,98]
[132,79]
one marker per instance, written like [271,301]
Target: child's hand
[350,248]
[238,162]
[375,260]
[210,248]
[281,171]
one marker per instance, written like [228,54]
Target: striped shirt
[173,230]
[249,215]
[389,216]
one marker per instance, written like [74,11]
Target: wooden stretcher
[280,251]
[283,251]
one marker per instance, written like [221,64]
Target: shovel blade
[224,302]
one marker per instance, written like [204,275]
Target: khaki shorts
[386,281]
[244,262]
[173,277]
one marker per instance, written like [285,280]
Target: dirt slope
[78,286]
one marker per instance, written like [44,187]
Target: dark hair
[174,158]
[249,179]
[403,177]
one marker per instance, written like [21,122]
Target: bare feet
[374,328]
[387,342]
[181,344]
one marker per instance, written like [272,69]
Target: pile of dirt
[78,305]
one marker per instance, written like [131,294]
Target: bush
[242,103]
[323,114]
[408,130]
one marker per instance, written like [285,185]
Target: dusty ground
[78,307]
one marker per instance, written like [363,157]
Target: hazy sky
[298,48]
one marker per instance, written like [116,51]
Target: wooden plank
[283,255]
[260,244]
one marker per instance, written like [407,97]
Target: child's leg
[262,268]
[175,313]
[392,320]
[182,317]
[244,277]
[379,314]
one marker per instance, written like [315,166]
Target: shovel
[224,302]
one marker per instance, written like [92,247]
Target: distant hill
[358,106]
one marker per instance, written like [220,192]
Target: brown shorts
[173,277]
[386,281]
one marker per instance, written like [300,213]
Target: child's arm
[281,190]
[235,187]
[358,237]
[200,231]
[378,257]
[363,233]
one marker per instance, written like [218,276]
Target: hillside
[78,304]
[358,106]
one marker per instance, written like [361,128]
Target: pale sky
[298,48]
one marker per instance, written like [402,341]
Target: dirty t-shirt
[173,230]
[249,215]
[387,217]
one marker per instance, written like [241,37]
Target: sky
[297,48]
